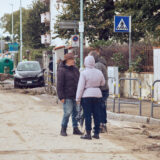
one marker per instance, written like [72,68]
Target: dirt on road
[30,126]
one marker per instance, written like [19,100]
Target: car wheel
[42,84]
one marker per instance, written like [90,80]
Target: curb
[132,118]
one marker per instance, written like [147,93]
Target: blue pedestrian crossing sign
[122,24]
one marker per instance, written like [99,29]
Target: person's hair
[95,55]
[51,58]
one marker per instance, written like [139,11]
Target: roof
[70,47]
[29,62]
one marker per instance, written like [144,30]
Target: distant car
[28,74]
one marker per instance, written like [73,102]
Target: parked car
[28,74]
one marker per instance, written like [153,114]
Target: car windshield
[29,66]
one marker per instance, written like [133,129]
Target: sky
[5,5]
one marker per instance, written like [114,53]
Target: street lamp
[21,31]
[12,24]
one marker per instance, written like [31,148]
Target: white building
[55,9]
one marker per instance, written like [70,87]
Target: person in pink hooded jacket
[89,94]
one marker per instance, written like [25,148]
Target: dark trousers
[51,74]
[91,106]
[103,107]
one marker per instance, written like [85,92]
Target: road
[30,126]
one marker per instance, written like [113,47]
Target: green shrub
[119,61]
[138,63]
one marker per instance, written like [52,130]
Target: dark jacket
[67,81]
[101,65]
[50,66]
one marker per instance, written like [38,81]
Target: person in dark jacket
[51,69]
[67,82]
[101,65]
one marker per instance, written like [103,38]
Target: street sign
[122,24]
[45,17]
[46,39]
[68,25]
[13,46]
[75,40]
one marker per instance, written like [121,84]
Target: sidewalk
[130,113]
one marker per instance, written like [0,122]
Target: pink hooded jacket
[90,80]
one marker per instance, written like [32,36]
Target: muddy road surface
[30,127]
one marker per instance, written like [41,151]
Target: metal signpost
[81,30]
[73,25]
[123,24]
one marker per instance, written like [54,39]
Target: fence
[154,104]
[129,102]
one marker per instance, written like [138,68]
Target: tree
[98,17]
[7,22]
[32,27]
[145,17]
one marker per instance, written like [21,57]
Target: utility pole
[130,55]
[81,30]
[1,37]
[21,44]
[12,24]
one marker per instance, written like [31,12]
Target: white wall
[54,12]
[59,54]
[156,61]
[146,79]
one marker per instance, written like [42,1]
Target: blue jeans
[69,108]
[103,112]
[91,106]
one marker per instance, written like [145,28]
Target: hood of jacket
[89,62]
[102,60]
